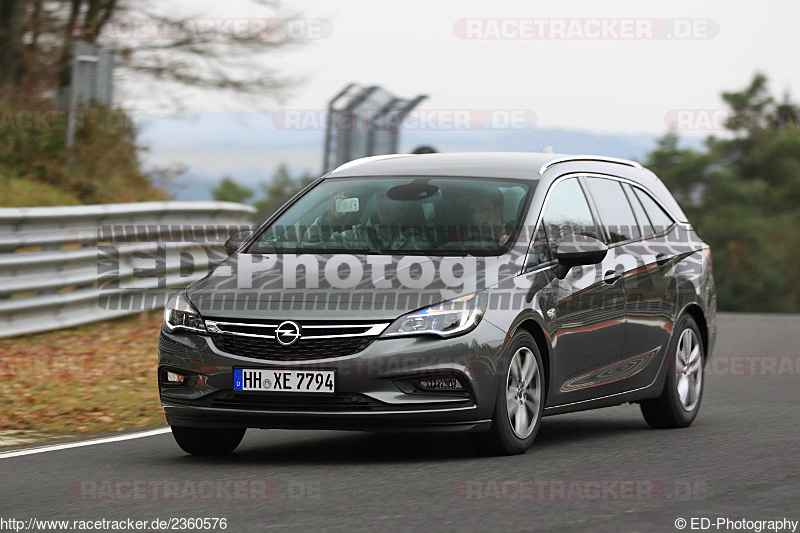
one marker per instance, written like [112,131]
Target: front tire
[520,400]
[207,442]
[679,403]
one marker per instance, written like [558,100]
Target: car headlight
[180,314]
[447,319]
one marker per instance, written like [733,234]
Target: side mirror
[235,241]
[576,249]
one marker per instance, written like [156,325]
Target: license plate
[269,380]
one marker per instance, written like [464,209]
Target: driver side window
[567,211]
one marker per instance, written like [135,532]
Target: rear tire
[679,403]
[520,400]
[207,442]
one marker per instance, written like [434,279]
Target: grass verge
[23,193]
[96,378]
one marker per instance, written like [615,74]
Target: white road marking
[79,444]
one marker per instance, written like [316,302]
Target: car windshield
[415,215]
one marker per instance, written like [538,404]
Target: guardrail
[65,266]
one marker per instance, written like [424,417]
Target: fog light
[175,378]
[440,384]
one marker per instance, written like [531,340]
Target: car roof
[513,165]
[477,164]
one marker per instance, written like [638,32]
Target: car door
[588,308]
[645,286]
[651,292]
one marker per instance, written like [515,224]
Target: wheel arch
[540,338]
[696,312]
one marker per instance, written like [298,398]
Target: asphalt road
[602,470]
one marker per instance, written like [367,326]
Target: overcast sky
[602,85]
[624,87]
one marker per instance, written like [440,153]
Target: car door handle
[611,277]
[662,259]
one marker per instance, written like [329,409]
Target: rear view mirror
[236,240]
[575,249]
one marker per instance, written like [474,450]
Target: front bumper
[374,388]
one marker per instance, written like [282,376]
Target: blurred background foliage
[104,166]
[742,193]
[274,193]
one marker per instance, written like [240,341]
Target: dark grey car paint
[608,349]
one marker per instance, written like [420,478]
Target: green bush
[102,167]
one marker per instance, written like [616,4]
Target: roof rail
[598,158]
[356,162]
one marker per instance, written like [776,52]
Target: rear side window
[567,211]
[638,210]
[615,211]
[659,218]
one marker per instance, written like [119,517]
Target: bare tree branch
[208,54]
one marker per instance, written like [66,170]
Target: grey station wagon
[472,292]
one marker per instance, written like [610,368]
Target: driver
[486,210]
[395,225]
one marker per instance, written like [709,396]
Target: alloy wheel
[523,392]
[689,369]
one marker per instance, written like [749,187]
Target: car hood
[345,287]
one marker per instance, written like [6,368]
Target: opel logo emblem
[287,333]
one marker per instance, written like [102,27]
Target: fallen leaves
[89,379]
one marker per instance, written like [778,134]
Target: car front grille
[300,351]
[318,340]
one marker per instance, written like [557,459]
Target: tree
[12,48]
[230,191]
[684,169]
[743,196]
[171,52]
[424,149]
[36,38]
[279,190]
